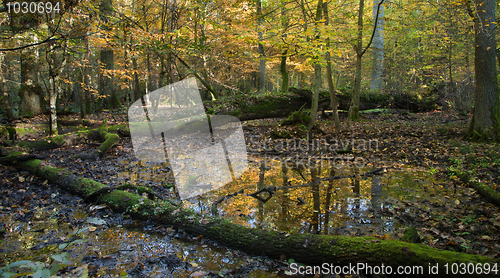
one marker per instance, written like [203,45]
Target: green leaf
[63,257]
[96,221]
[42,273]
[18,263]
[64,245]
[79,231]
[54,268]
[24,274]
[9,274]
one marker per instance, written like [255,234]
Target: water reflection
[308,200]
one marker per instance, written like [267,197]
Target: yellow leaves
[339,53]
[384,236]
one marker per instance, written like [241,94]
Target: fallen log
[484,190]
[74,138]
[310,249]
[489,193]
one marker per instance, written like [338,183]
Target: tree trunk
[30,91]
[317,73]
[86,80]
[354,108]
[3,91]
[284,73]
[485,123]
[53,81]
[331,87]
[106,87]
[305,248]
[137,84]
[376,81]
[315,97]
[498,56]
[262,60]
[55,69]
[106,82]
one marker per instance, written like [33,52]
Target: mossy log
[310,249]
[38,145]
[75,138]
[489,193]
[7,158]
[108,140]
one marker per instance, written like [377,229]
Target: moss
[115,128]
[280,134]
[4,133]
[263,107]
[297,118]
[142,189]
[40,145]
[486,191]
[211,111]
[22,132]
[102,129]
[11,156]
[235,113]
[12,132]
[411,235]
[59,139]
[110,140]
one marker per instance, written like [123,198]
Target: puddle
[381,204]
[378,204]
[119,250]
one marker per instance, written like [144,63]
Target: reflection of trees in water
[327,201]
[316,204]
[376,193]
[316,199]
[284,199]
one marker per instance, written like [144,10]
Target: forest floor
[424,141]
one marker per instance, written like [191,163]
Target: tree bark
[106,86]
[305,248]
[315,96]
[354,108]
[284,73]
[376,81]
[262,60]
[331,87]
[3,92]
[30,91]
[86,81]
[485,123]
[317,73]
[55,69]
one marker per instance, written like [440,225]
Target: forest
[264,138]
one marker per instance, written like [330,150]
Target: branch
[207,86]
[49,39]
[374,28]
